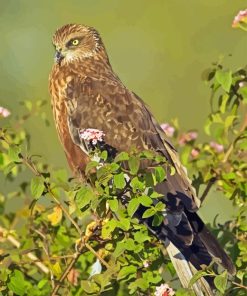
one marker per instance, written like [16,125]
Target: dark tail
[203,248]
[207,244]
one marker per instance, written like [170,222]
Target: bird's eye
[75,42]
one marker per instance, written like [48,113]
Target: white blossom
[164,290]
[4,112]
[91,134]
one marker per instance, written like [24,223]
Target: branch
[79,250]
[230,148]
[30,255]
[207,189]
[33,168]
[239,285]
[46,250]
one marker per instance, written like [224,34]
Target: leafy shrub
[77,238]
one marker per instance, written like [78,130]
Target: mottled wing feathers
[107,105]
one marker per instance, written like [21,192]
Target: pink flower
[168,129]
[145,263]
[241,17]
[216,146]
[164,290]
[241,84]
[187,137]
[194,152]
[4,112]
[91,134]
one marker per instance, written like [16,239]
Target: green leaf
[133,206]
[130,244]
[8,168]
[28,104]
[42,283]
[220,282]
[224,78]
[121,157]
[134,164]
[113,203]
[108,228]
[157,220]
[155,194]
[147,154]
[90,287]
[119,180]
[37,187]
[141,237]
[90,166]
[172,170]
[104,155]
[56,269]
[61,175]
[124,224]
[243,91]
[145,200]
[17,283]
[120,248]
[140,283]
[197,276]
[126,270]
[14,152]
[159,206]
[160,174]
[223,103]
[137,185]
[229,121]
[148,213]
[84,196]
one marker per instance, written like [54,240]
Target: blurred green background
[158,48]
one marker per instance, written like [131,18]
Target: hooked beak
[58,56]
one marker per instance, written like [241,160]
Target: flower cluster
[4,112]
[92,135]
[195,153]
[187,137]
[216,146]
[241,17]
[164,290]
[146,263]
[168,129]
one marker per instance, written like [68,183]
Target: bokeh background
[158,48]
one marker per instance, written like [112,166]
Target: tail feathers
[185,271]
[201,250]
[209,242]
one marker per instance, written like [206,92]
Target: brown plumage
[86,93]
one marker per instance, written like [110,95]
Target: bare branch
[30,255]
[207,189]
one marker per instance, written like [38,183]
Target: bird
[87,95]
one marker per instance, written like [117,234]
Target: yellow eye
[75,42]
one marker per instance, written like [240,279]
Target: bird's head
[75,42]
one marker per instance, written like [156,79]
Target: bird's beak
[58,56]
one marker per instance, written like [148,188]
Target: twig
[97,255]
[64,210]
[30,255]
[230,148]
[32,167]
[29,164]
[239,285]
[47,252]
[207,189]
[36,172]
[66,272]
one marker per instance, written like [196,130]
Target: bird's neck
[95,65]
